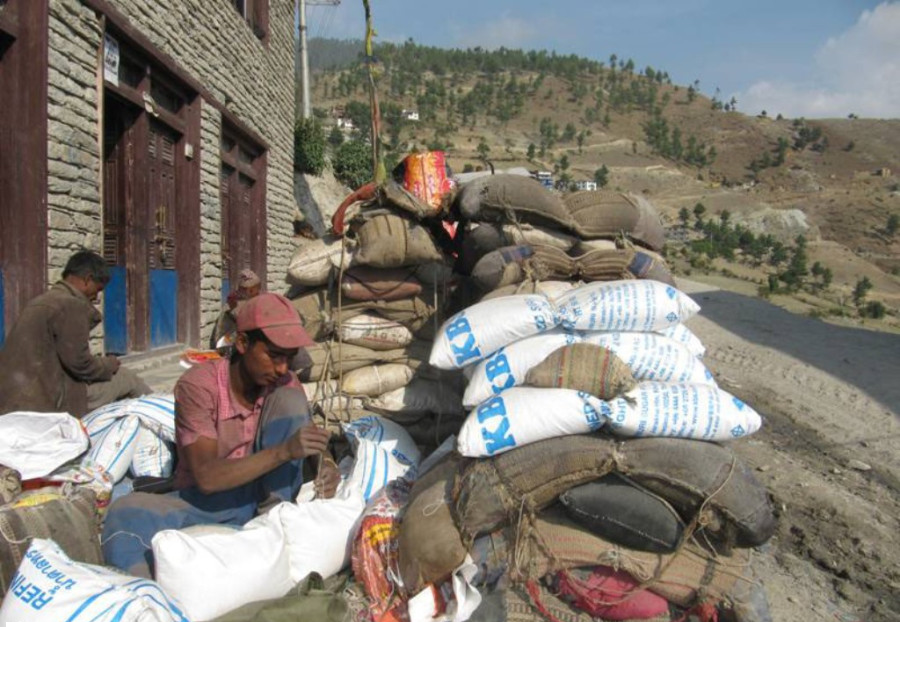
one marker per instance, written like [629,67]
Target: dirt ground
[829,451]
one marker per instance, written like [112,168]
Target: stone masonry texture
[213,44]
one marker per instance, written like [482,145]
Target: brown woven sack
[507,265]
[554,263]
[589,368]
[604,265]
[687,473]
[319,311]
[332,360]
[606,215]
[553,543]
[67,517]
[490,492]
[10,485]
[507,198]
[372,283]
[523,233]
[389,240]
[429,544]
[648,265]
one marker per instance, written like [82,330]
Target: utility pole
[302,63]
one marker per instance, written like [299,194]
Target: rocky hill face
[835,181]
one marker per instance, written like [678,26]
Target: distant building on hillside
[411,115]
[545,178]
[588,185]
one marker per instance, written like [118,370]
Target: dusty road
[829,451]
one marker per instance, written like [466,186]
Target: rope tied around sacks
[525,567]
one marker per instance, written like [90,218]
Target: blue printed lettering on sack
[672,317]
[738,403]
[498,372]
[464,350]
[708,374]
[540,321]
[591,416]
[494,411]
[738,431]
[29,593]
[671,292]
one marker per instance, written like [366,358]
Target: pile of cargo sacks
[583,471]
[529,433]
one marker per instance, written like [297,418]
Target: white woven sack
[554,290]
[384,451]
[651,356]
[507,367]
[213,571]
[628,305]
[697,411]
[483,328]
[419,396]
[523,415]
[50,586]
[681,333]
[34,444]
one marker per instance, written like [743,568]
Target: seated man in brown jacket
[47,365]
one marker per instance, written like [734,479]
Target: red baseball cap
[277,318]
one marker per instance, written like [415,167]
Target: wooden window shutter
[260,19]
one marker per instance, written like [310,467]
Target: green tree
[564,162]
[353,163]
[335,137]
[862,288]
[684,216]
[309,147]
[531,151]
[874,310]
[699,210]
[893,224]
[483,150]
[601,176]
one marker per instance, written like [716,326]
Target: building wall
[214,45]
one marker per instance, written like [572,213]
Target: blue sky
[813,58]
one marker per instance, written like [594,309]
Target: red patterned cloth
[607,594]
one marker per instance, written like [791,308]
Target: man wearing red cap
[242,430]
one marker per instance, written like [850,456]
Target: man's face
[92,288]
[264,362]
[251,291]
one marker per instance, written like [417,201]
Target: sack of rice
[585,367]
[314,260]
[651,356]
[374,332]
[599,215]
[508,366]
[698,411]
[507,198]
[483,328]
[523,415]
[389,240]
[373,283]
[376,380]
[630,305]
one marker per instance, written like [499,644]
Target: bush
[353,164]
[309,147]
[874,310]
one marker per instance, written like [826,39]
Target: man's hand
[328,477]
[308,441]
[114,361]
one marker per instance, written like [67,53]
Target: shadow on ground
[865,359]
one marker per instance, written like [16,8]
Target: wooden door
[160,236]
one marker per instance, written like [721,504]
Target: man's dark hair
[86,264]
[253,336]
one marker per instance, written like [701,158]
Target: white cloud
[506,31]
[855,72]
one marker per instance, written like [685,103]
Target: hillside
[664,140]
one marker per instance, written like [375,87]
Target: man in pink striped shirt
[242,430]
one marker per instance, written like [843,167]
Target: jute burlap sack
[507,198]
[606,215]
[388,240]
[585,367]
[331,360]
[373,283]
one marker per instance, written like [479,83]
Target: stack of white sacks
[497,341]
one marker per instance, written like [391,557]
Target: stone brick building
[158,132]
